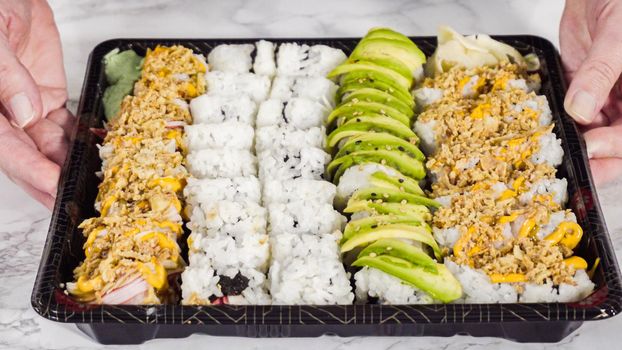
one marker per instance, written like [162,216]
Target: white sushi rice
[303,217]
[231,58]
[446,237]
[228,135]
[427,136]
[286,191]
[215,163]
[426,96]
[265,63]
[374,283]
[357,177]
[237,189]
[540,105]
[235,84]
[550,150]
[289,137]
[306,270]
[228,252]
[299,112]
[227,216]
[477,287]
[557,188]
[292,163]
[305,60]
[564,293]
[207,109]
[319,89]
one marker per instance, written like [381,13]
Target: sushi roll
[265,63]
[211,109]
[228,135]
[286,137]
[215,163]
[237,189]
[231,58]
[235,84]
[286,191]
[306,270]
[300,113]
[294,163]
[304,60]
[317,88]
[304,217]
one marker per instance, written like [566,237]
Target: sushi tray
[383,185]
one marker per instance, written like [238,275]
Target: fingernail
[581,107]
[590,149]
[21,108]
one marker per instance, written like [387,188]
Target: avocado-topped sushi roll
[377,167]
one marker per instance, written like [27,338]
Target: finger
[574,37]
[41,197]
[604,142]
[50,139]
[597,75]
[20,161]
[605,170]
[19,94]
[64,119]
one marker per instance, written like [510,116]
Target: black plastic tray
[136,324]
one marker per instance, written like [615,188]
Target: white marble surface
[84,23]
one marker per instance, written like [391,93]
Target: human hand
[33,90]
[591,46]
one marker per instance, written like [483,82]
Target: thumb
[19,94]
[597,75]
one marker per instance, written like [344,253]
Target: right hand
[34,124]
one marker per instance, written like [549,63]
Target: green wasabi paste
[122,69]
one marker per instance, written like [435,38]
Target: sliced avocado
[370,123]
[351,109]
[399,182]
[415,233]
[441,285]
[402,250]
[415,211]
[358,113]
[374,141]
[354,82]
[386,33]
[388,62]
[378,96]
[403,163]
[404,51]
[393,196]
[373,71]
[371,222]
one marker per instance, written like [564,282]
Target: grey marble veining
[84,23]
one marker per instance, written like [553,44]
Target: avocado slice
[351,109]
[405,52]
[372,71]
[353,82]
[386,33]
[358,113]
[374,141]
[402,250]
[393,196]
[403,163]
[370,123]
[368,94]
[441,285]
[388,62]
[415,211]
[399,182]
[415,233]
[371,222]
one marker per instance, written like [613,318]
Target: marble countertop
[84,23]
